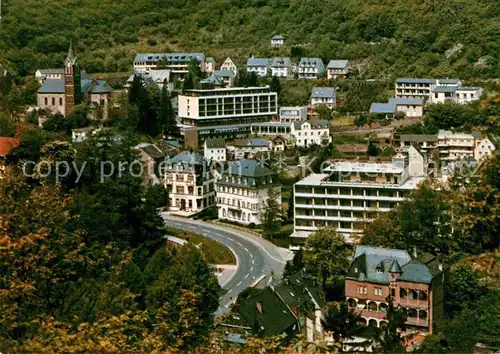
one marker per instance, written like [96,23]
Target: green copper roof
[395,267]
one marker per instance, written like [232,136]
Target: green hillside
[385,37]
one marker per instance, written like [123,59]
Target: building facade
[410,107]
[177,63]
[415,284]
[293,114]
[215,150]
[277,40]
[337,69]
[250,148]
[259,66]
[189,182]
[310,68]
[281,67]
[347,195]
[229,64]
[309,133]
[323,96]
[243,190]
[437,90]
[224,113]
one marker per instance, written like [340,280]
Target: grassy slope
[385,37]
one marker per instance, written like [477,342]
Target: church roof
[57,86]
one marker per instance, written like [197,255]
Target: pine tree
[166,119]
[275,85]
[271,217]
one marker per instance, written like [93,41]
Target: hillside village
[351,200]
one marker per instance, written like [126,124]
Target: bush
[251,225]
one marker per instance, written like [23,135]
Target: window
[46,101]
[60,101]
[53,101]
[377,291]
[361,289]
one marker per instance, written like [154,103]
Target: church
[60,94]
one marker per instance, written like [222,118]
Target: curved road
[255,256]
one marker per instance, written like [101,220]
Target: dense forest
[383,38]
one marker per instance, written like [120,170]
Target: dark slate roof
[210,59]
[249,168]
[153,151]
[415,81]
[406,101]
[211,80]
[187,157]
[421,270]
[223,73]
[382,108]
[310,61]
[278,37]
[281,62]
[449,81]
[57,86]
[52,86]
[257,62]
[215,143]
[100,89]
[373,263]
[418,137]
[338,64]
[445,89]
[395,267]
[318,124]
[322,92]
[251,142]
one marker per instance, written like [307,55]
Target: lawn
[338,121]
[214,252]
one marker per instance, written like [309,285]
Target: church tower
[72,82]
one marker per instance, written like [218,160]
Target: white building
[209,65]
[177,63]
[310,68]
[465,95]
[281,67]
[309,133]
[337,69]
[323,96]
[293,114]
[189,183]
[437,90]
[51,74]
[347,195]
[259,66]
[226,76]
[277,40]
[153,77]
[484,148]
[411,107]
[243,190]
[250,148]
[229,64]
[215,150]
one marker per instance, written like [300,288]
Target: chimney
[260,306]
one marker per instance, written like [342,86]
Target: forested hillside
[385,37]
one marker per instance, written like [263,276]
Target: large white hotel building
[349,194]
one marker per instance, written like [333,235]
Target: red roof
[7,144]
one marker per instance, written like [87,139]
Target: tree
[296,265]
[372,149]
[342,321]
[326,256]
[188,83]
[462,290]
[166,119]
[275,85]
[272,214]
[390,339]
[252,79]
[290,211]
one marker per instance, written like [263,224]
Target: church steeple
[72,81]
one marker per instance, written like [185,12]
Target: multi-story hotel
[349,194]
[414,284]
[437,90]
[243,190]
[189,182]
[225,112]
[177,63]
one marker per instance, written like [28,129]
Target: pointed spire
[71,58]
[395,267]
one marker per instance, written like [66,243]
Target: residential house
[177,63]
[229,64]
[279,143]
[415,284]
[211,82]
[337,69]
[153,78]
[209,65]
[51,74]
[243,189]
[410,107]
[323,96]
[281,67]
[81,134]
[215,149]
[150,157]
[484,148]
[310,68]
[249,148]
[226,76]
[259,66]
[348,194]
[227,113]
[189,182]
[309,133]
[63,94]
[293,114]
[291,306]
[277,40]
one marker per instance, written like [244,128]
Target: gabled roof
[444,89]
[257,62]
[449,81]
[7,145]
[323,92]
[251,142]
[249,168]
[223,73]
[338,64]
[310,61]
[418,137]
[281,62]
[152,150]
[210,59]
[278,37]
[317,124]
[382,108]
[215,143]
[415,81]
[57,86]
[212,80]
[51,71]
[187,157]
[406,101]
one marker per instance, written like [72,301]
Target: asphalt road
[255,256]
